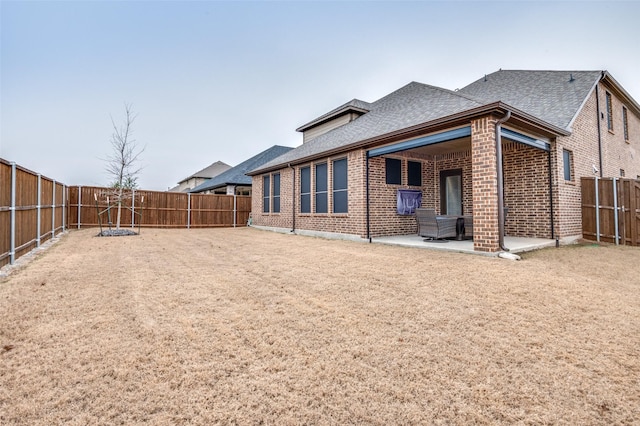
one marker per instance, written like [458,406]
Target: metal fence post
[12,252]
[53,210]
[38,209]
[597,212]
[188,210]
[79,203]
[615,211]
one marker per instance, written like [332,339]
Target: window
[625,124]
[393,168]
[621,172]
[340,193]
[305,190]
[276,193]
[567,160]
[321,188]
[414,173]
[266,190]
[609,113]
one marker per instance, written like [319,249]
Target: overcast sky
[226,80]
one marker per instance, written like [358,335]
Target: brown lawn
[241,326]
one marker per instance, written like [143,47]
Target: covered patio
[502,177]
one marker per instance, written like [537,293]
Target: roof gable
[237,175]
[213,169]
[552,96]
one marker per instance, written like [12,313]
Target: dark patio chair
[435,227]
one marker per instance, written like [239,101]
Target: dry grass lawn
[241,326]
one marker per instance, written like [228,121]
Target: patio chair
[435,227]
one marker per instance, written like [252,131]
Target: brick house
[552,128]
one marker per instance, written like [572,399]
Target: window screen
[393,169]
[414,173]
[321,188]
[276,193]
[266,190]
[566,159]
[305,190]
[340,193]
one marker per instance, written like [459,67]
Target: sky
[222,81]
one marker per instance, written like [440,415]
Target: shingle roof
[552,96]
[353,105]
[410,105]
[214,169]
[236,175]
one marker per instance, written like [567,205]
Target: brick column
[485,185]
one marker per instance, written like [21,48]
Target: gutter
[598,123]
[500,181]
[293,203]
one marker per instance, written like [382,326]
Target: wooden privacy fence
[155,209]
[611,210]
[32,210]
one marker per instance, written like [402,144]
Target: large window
[276,193]
[567,160]
[305,190]
[609,113]
[266,190]
[340,193]
[393,169]
[625,124]
[414,173]
[321,188]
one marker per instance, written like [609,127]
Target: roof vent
[485,77]
[571,79]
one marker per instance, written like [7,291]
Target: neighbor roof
[214,169]
[553,96]
[237,175]
[354,105]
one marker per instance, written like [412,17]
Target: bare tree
[122,164]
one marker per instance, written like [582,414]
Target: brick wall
[526,191]
[485,195]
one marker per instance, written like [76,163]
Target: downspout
[553,236]
[500,181]
[599,131]
[293,201]
[367,197]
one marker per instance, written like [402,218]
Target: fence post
[188,210]
[133,207]
[235,209]
[597,211]
[64,213]
[38,208]
[79,203]
[53,210]
[12,252]
[615,210]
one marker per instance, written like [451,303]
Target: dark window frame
[305,193]
[393,171]
[321,197]
[414,167]
[567,165]
[275,195]
[339,191]
[266,194]
[609,111]
[625,123]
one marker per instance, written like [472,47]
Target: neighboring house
[214,169]
[235,181]
[554,127]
